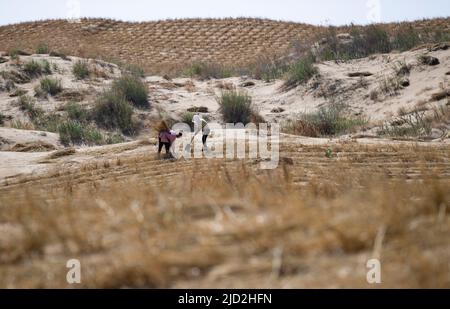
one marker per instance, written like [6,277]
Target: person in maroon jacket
[166,137]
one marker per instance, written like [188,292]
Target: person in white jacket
[201,124]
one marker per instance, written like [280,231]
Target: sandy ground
[352,91]
[174,97]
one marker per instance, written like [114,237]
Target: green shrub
[42,49]
[70,132]
[133,89]
[33,68]
[301,72]
[76,112]
[73,132]
[112,111]
[81,69]
[46,68]
[235,107]
[2,119]
[187,118]
[327,121]
[51,86]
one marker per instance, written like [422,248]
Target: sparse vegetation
[74,133]
[76,112]
[414,124]
[80,69]
[208,70]
[15,53]
[112,111]
[301,72]
[114,138]
[327,121]
[48,122]
[51,86]
[187,118]
[314,221]
[363,42]
[390,85]
[132,89]
[27,105]
[42,49]
[406,38]
[235,106]
[269,68]
[356,207]
[134,70]
[35,68]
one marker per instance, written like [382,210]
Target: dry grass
[139,222]
[218,41]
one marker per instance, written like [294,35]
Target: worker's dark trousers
[161,144]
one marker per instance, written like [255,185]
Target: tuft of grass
[42,49]
[50,86]
[70,132]
[327,121]
[390,85]
[2,119]
[268,68]
[15,53]
[75,133]
[33,68]
[208,70]
[27,105]
[187,119]
[235,106]
[112,111]
[134,70]
[133,89]
[76,112]
[412,124]
[81,69]
[46,67]
[300,72]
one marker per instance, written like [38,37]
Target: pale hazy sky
[309,11]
